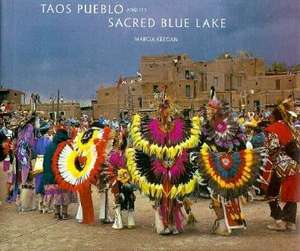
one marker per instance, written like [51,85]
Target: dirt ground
[34,231]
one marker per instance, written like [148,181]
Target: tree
[295,68]
[278,67]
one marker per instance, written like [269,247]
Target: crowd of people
[174,160]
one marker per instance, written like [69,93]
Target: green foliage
[278,67]
[295,68]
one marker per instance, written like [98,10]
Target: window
[188,91]
[239,81]
[140,102]
[216,81]
[202,81]
[228,82]
[277,84]
[155,89]
[205,83]
[187,75]
[106,94]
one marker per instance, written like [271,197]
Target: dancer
[77,165]
[99,181]
[102,182]
[55,195]
[228,167]
[23,191]
[282,142]
[158,162]
[120,183]
[39,150]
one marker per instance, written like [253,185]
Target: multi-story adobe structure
[240,81]
[66,110]
[14,97]
[265,91]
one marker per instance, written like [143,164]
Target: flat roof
[10,90]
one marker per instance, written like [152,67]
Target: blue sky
[77,52]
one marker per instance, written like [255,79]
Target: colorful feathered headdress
[163,101]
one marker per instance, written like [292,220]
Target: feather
[116,158]
[236,177]
[176,135]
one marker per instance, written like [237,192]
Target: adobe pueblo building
[241,81]
[10,96]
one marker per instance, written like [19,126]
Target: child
[121,185]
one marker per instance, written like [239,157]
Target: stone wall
[67,109]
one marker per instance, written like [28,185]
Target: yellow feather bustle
[160,152]
[156,190]
[81,147]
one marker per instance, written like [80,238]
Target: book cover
[96,67]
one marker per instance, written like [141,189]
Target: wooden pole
[57,109]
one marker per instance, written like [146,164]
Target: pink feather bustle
[116,159]
[160,137]
[173,172]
